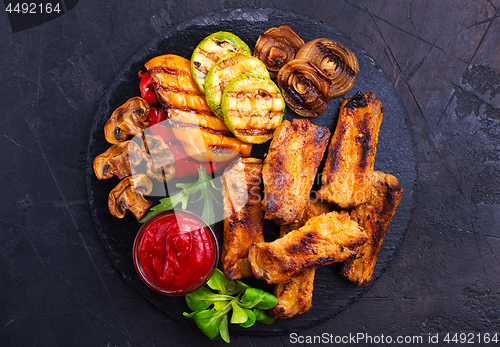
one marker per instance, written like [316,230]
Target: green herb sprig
[211,309]
[204,184]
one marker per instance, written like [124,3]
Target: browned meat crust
[325,239]
[243,215]
[351,153]
[375,217]
[290,168]
[295,296]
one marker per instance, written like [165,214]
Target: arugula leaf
[168,203]
[204,184]
[209,198]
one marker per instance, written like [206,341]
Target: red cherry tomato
[156,115]
[147,89]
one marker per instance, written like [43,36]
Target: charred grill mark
[334,151]
[331,54]
[259,93]
[172,89]
[366,150]
[300,126]
[297,98]
[235,223]
[276,59]
[167,106]
[282,180]
[269,116]
[254,132]
[271,205]
[392,197]
[167,71]
[303,245]
[226,133]
[230,273]
[220,43]
[316,263]
[279,158]
[352,245]
[320,134]
[358,100]
[268,253]
[264,94]
[247,221]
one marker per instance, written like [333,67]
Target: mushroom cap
[160,159]
[119,160]
[129,195]
[127,120]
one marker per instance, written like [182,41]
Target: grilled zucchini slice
[209,51]
[227,68]
[252,106]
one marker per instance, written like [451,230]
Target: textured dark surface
[60,287]
[394,155]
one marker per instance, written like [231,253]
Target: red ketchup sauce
[176,251]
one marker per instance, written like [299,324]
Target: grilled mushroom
[129,195]
[335,60]
[127,120]
[119,160]
[276,47]
[159,158]
[305,88]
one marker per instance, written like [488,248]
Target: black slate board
[332,293]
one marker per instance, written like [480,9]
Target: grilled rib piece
[295,296]
[346,178]
[290,168]
[325,239]
[375,217]
[243,215]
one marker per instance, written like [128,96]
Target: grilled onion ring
[276,47]
[335,60]
[305,88]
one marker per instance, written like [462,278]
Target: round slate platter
[332,293]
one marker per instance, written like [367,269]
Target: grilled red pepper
[147,88]
[184,164]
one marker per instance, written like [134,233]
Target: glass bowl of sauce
[175,252]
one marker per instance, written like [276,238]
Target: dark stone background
[57,284]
